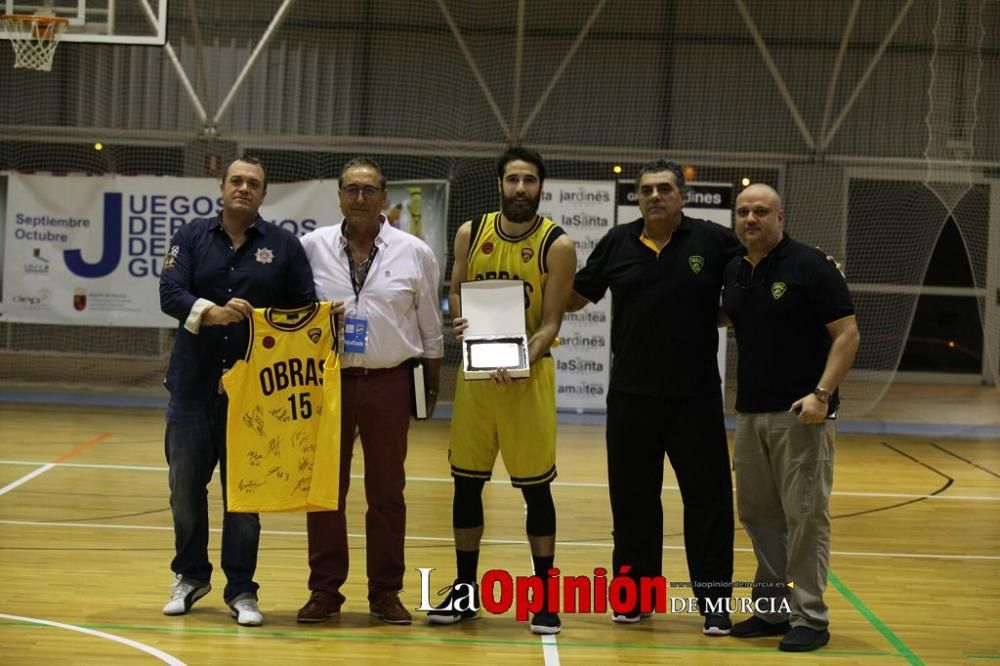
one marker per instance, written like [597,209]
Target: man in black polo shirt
[797,337]
[216,272]
[665,275]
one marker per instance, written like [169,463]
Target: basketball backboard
[101,21]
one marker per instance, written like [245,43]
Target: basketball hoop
[34,39]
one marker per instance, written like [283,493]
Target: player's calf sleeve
[467,504]
[541,519]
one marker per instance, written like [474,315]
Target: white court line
[495,542]
[137,468]
[27,477]
[550,647]
[564,484]
[162,656]
[550,650]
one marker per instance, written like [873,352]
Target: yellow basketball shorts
[518,420]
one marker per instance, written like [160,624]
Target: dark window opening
[946,334]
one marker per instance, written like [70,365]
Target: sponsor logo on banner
[38,262]
[79,299]
[31,300]
[582,341]
[586,316]
[579,365]
[581,389]
[584,220]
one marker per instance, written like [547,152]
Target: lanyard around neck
[358,285]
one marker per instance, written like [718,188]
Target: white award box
[496,336]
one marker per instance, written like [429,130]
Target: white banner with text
[585,209]
[89,250]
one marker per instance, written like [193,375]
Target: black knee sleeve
[467,505]
[541,510]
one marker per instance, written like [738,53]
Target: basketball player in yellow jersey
[516,417]
[283,421]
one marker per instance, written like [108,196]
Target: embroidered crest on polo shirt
[264,256]
[696,262]
[778,290]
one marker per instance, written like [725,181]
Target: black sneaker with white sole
[717,624]
[631,617]
[545,623]
[462,603]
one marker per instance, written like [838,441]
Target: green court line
[531,644]
[880,626]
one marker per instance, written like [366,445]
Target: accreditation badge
[355,334]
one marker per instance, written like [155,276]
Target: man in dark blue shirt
[216,272]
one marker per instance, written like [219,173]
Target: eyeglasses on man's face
[353,190]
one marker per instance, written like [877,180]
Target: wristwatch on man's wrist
[822,394]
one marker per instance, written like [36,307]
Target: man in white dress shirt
[388,281]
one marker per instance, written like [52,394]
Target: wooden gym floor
[86,543]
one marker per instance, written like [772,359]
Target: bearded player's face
[520,191]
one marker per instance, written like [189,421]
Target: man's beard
[520,210]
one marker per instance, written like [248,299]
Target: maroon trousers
[376,404]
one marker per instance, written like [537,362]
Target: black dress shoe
[756,627]
[804,639]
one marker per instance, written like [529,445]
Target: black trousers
[692,433]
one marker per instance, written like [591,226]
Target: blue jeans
[195,442]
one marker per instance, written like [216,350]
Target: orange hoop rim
[34,18]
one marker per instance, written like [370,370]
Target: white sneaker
[183,596]
[246,612]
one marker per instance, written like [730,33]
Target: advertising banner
[585,210]
[89,250]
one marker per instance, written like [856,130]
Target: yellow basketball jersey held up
[493,255]
[283,423]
